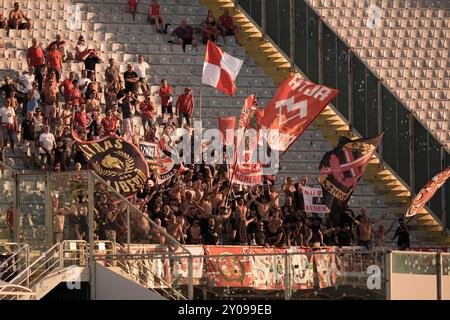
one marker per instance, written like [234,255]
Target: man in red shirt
[147,108]
[166,94]
[155,18]
[109,123]
[54,60]
[73,95]
[35,55]
[60,45]
[185,106]
[80,118]
[227,26]
[67,85]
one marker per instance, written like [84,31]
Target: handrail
[25,275]
[141,266]
[15,261]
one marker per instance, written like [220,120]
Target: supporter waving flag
[220,69]
[294,107]
[342,168]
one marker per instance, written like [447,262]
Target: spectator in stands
[33,97]
[3,22]
[402,233]
[344,237]
[146,109]
[141,68]
[127,105]
[184,35]
[41,75]
[365,228]
[90,57]
[66,86]
[109,123]
[54,61]
[8,88]
[315,235]
[84,81]
[60,46]
[8,121]
[156,19]
[35,54]
[47,144]
[131,79]
[18,19]
[166,96]
[185,107]
[226,25]
[28,140]
[380,234]
[25,82]
[132,8]
[210,30]
[112,73]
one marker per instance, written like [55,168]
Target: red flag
[227,123]
[427,192]
[294,107]
[246,171]
[220,69]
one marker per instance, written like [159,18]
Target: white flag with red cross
[220,69]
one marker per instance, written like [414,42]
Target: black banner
[117,162]
[342,168]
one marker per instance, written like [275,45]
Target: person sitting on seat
[156,19]
[132,7]
[16,19]
[227,26]
[3,21]
[210,31]
[184,35]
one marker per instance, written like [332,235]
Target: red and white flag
[294,107]
[220,69]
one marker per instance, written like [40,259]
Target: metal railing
[16,262]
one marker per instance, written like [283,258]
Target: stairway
[395,194]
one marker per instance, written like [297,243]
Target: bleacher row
[113,39]
[408,49]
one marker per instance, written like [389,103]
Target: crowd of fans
[199,206]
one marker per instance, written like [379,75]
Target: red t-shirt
[68,85]
[54,59]
[36,56]
[81,118]
[110,125]
[226,21]
[185,103]
[146,109]
[73,96]
[163,91]
[155,10]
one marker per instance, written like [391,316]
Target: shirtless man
[16,17]
[365,228]
[195,233]
[175,229]
[263,206]
[157,236]
[380,234]
[59,220]
[50,100]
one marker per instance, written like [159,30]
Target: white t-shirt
[7,115]
[26,80]
[141,69]
[82,82]
[47,140]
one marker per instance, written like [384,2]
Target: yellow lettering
[124,186]
[98,147]
[108,145]
[118,144]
